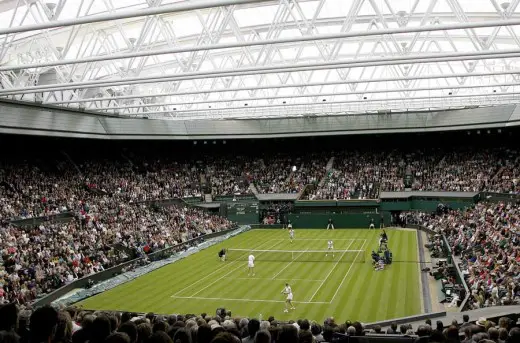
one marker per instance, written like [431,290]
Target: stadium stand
[485,241]
[277,113]
[80,326]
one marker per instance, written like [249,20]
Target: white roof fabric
[255,59]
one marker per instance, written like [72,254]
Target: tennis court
[344,285]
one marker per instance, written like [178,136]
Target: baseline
[251,300]
[265,278]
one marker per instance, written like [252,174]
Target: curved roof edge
[45,121]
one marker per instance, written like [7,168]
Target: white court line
[251,300]
[223,276]
[208,275]
[348,271]
[335,265]
[284,268]
[265,278]
[318,239]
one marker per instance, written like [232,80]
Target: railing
[460,276]
[495,197]
[111,272]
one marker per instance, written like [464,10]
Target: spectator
[252,327]
[262,336]
[43,325]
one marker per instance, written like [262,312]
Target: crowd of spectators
[106,204]
[486,240]
[36,189]
[38,259]
[287,174]
[105,195]
[362,174]
[229,178]
[71,325]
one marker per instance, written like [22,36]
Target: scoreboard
[243,212]
[241,208]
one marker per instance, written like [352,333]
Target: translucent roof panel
[221,59]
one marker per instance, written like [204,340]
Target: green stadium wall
[344,221]
[345,213]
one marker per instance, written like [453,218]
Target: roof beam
[427,58]
[176,7]
[513,96]
[311,95]
[343,35]
[296,85]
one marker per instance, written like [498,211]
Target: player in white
[330,247]
[251,265]
[291,234]
[288,301]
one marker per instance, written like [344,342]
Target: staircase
[328,168]
[72,162]
[498,173]
[330,164]
[208,198]
[128,160]
[253,189]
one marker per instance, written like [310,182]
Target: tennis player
[330,247]
[251,265]
[288,300]
[291,235]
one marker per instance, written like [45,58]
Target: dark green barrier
[431,205]
[243,219]
[349,220]
[396,205]
[35,221]
[414,204]
[229,198]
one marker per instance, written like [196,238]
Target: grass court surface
[345,290]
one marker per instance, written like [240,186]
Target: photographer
[222,255]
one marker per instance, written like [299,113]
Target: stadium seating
[106,194]
[80,326]
[103,232]
[485,241]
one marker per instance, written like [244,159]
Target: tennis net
[297,255]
